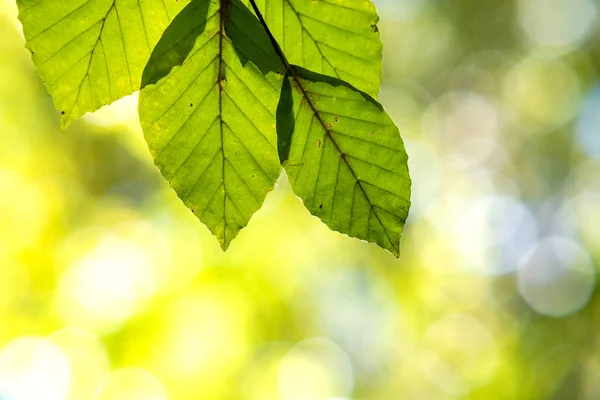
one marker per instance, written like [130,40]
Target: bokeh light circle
[459,354]
[493,233]
[104,288]
[556,277]
[34,369]
[90,365]
[466,126]
[588,123]
[133,384]
[557,24]
[315,369]
[542,94]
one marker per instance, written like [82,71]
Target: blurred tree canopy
[110,288]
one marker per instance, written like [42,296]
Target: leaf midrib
[220,77]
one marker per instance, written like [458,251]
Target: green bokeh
[110,287]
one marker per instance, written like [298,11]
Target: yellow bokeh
[110,289]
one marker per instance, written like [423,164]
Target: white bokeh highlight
[559,24]
[315,369]
[556,277]
[33,368]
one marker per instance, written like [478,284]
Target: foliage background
[110,289]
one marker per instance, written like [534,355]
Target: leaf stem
[274,42]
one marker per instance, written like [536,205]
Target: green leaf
[92,52]
[344,158]
[208,113]
[332,37]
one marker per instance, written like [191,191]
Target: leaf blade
[346,159]
[90,53]
[210,122]
[337,39]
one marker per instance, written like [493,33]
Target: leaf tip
[224,245]
[65,120]
[225,242]
[391,246]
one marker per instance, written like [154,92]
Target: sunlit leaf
[344,157]
[92,52]
[339,38]
[208,113]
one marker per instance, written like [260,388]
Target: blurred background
[110,289]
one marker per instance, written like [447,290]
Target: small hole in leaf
[191,104]
[321,206]
[335,119]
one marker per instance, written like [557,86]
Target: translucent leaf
[344,157]
[338,38]
[208,113]
[92,52]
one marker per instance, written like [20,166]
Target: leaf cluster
[234,90]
